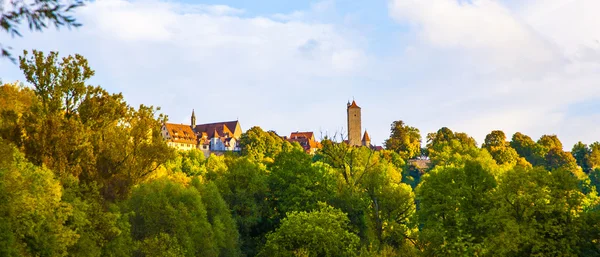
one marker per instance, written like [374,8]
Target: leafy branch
[39,14]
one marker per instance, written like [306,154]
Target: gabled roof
[353,105]
[308,135]
[180,133]
[222,128]
[366,137]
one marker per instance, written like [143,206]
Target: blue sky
[474,66]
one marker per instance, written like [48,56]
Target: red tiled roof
[353,105]
[222,128]
[305,139]
[180,133]
[308,135]
[366,137]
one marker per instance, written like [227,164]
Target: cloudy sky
[471,65]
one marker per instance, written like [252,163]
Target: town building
[306,140]
[179,136]
[209,138]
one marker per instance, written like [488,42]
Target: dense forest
[82,173]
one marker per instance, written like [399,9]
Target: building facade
[306,140]
[210,137]
[179,136]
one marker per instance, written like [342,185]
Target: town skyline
[292,67]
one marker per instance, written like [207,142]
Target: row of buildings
[221,137]
[211,137]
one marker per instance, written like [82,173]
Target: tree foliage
[323,232]
[499,148]
[404,140]
[32,214]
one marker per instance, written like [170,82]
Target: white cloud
[506,68]
[489,30]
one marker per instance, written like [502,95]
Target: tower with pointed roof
[366,140]
[193,119]
[354,123]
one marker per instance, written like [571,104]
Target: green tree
[225,231]
[95,222]
[499,148]
[192,163]
[83,131]
[164,210]
[245,189]
[550,141]
[15,100]
[454,204]
[371,191]
[581,152]
[556,158]
[538,213]
[32,214]
[261,145]
[296,184]
[323,232]
[595,155]
[161,245]
[446,147]
[528,149]
[404,140]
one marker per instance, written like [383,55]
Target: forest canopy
[83,173]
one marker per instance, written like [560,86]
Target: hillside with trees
[83,173]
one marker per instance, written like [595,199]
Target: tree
[496,144]
[15,100]
[296,184]
[225,231]
[38,13]
[454,205]
[538,213]
[556,158]
[172,215]
[244,188]
[371,191]
[581,152]
[191,163]
[550,141]
[528,149]
[83,131]
[261,145]
[595,155]
[446,147]
[323,232]
[32,214]
[404,140]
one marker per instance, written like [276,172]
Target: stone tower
[193,120]
[354,124]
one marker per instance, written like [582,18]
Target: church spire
[193,119]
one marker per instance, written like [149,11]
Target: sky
[530,66]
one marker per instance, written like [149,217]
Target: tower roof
[366,137]
[353,105]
